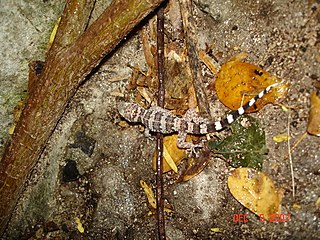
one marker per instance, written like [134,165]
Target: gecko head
[130,111]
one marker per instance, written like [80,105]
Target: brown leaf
[196,166]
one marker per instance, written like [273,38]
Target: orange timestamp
[274,218]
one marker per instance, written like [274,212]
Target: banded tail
[235,114]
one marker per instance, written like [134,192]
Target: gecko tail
[235,114]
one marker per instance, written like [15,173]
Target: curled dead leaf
[210,63]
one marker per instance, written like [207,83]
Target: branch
[69,61]
[73,23]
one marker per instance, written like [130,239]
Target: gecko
[157,119]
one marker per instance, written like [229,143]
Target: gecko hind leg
[191,148]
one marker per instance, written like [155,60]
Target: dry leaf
[296,206]
[151,198]
[217,230]
[210,63]
[177,68]
[244,81]
[284,108]
[53,33]
[255,191]
[167,157]
[172,154]
[281,138]
[145,93]
[79,225]
[314,116]
[196,165]
[148,191]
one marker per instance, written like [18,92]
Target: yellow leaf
[79,224]
[53,33]
[216,230]
[148,191]
[167,210]
[244,81]
[281,138]
[171,153]
[314,116]
[11,129]
[284,108]
[151,199]
[167,157]
[296,206]
[255,191]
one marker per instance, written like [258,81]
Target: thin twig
[290,157]
[298,141]
[159,151]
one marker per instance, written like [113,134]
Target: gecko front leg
[191,148]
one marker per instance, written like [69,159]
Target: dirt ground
[91,167]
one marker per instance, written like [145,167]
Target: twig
[290,157]
[62,73]
[298,141]
[159,147]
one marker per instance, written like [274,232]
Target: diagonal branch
[68,63]
[73,23]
